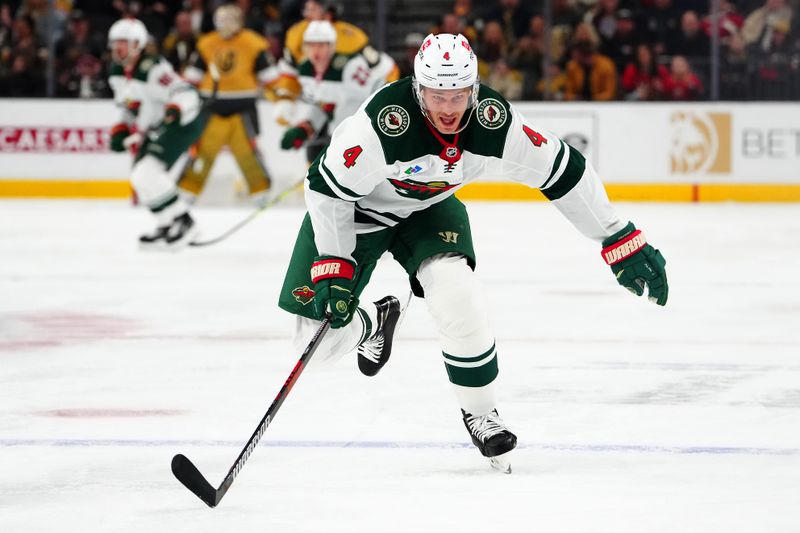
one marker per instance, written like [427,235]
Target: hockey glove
[333,281]
[119,133]
[636,264]
[172,116]
[295,137]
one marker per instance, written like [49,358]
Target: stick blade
[192,479]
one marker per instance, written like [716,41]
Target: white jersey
[386,162]
[342,88]
[144,91]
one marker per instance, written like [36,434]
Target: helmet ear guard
[446,62]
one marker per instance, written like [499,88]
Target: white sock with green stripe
[457,306]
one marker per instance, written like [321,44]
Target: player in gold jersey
[244,64]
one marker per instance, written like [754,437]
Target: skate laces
[486,426]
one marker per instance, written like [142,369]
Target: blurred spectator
[157,15]
[778,65]
[660,22]
[449,23]
[682,83]
[759,25]
[78,40]
[491,47]
[468,19]
[527,59]
[734,75]
[101,13]
[590,75]
[730,21]
[604,20]
[505,80]
[643,79]
[24,78]
[621,47]
[39,12]
[553,87]
[691,41]
[181,42]
[411,46]
[513,17]
[86,79]
[201,18]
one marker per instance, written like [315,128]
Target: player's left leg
[369,321]
[435,248]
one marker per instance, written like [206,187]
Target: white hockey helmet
[446,61]
[131,30]
[320,31]
[228,20]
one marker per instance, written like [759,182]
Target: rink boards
[644,152]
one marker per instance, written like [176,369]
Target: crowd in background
[596,50]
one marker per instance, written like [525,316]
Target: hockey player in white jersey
[161,116]
[333,87]
[386,183]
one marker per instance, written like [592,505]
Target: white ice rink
[630,417]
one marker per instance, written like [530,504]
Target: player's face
[446,107]
[320,55]
[121,51]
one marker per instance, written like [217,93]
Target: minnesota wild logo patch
[303,294]
[393,120]
[491,113]
[419,190]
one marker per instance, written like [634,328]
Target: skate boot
[492,438]
[155,239]
[181,232]
[374,352]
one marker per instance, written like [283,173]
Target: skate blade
[501,463]
[189,237]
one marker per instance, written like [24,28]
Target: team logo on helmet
[393,120]
[491,113]
[303,294]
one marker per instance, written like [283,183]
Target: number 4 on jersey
[536,138]
[350,155]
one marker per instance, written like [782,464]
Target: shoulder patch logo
[491,113]
[393,120]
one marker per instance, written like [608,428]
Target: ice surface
[630,417]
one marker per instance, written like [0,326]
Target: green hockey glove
[295,137]
[636,264]
[333,282]
[118,135]
[172,116]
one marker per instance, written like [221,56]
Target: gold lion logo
[700,142]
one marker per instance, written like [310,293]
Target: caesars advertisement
[628,143]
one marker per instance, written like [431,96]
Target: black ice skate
[492,438]
[374,352]
[155,239]
[181,232]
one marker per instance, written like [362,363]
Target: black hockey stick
[190,476]
[239,225]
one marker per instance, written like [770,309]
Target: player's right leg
[369,321]
[244,146]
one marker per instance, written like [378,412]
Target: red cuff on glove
[625,248]
[331,268]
